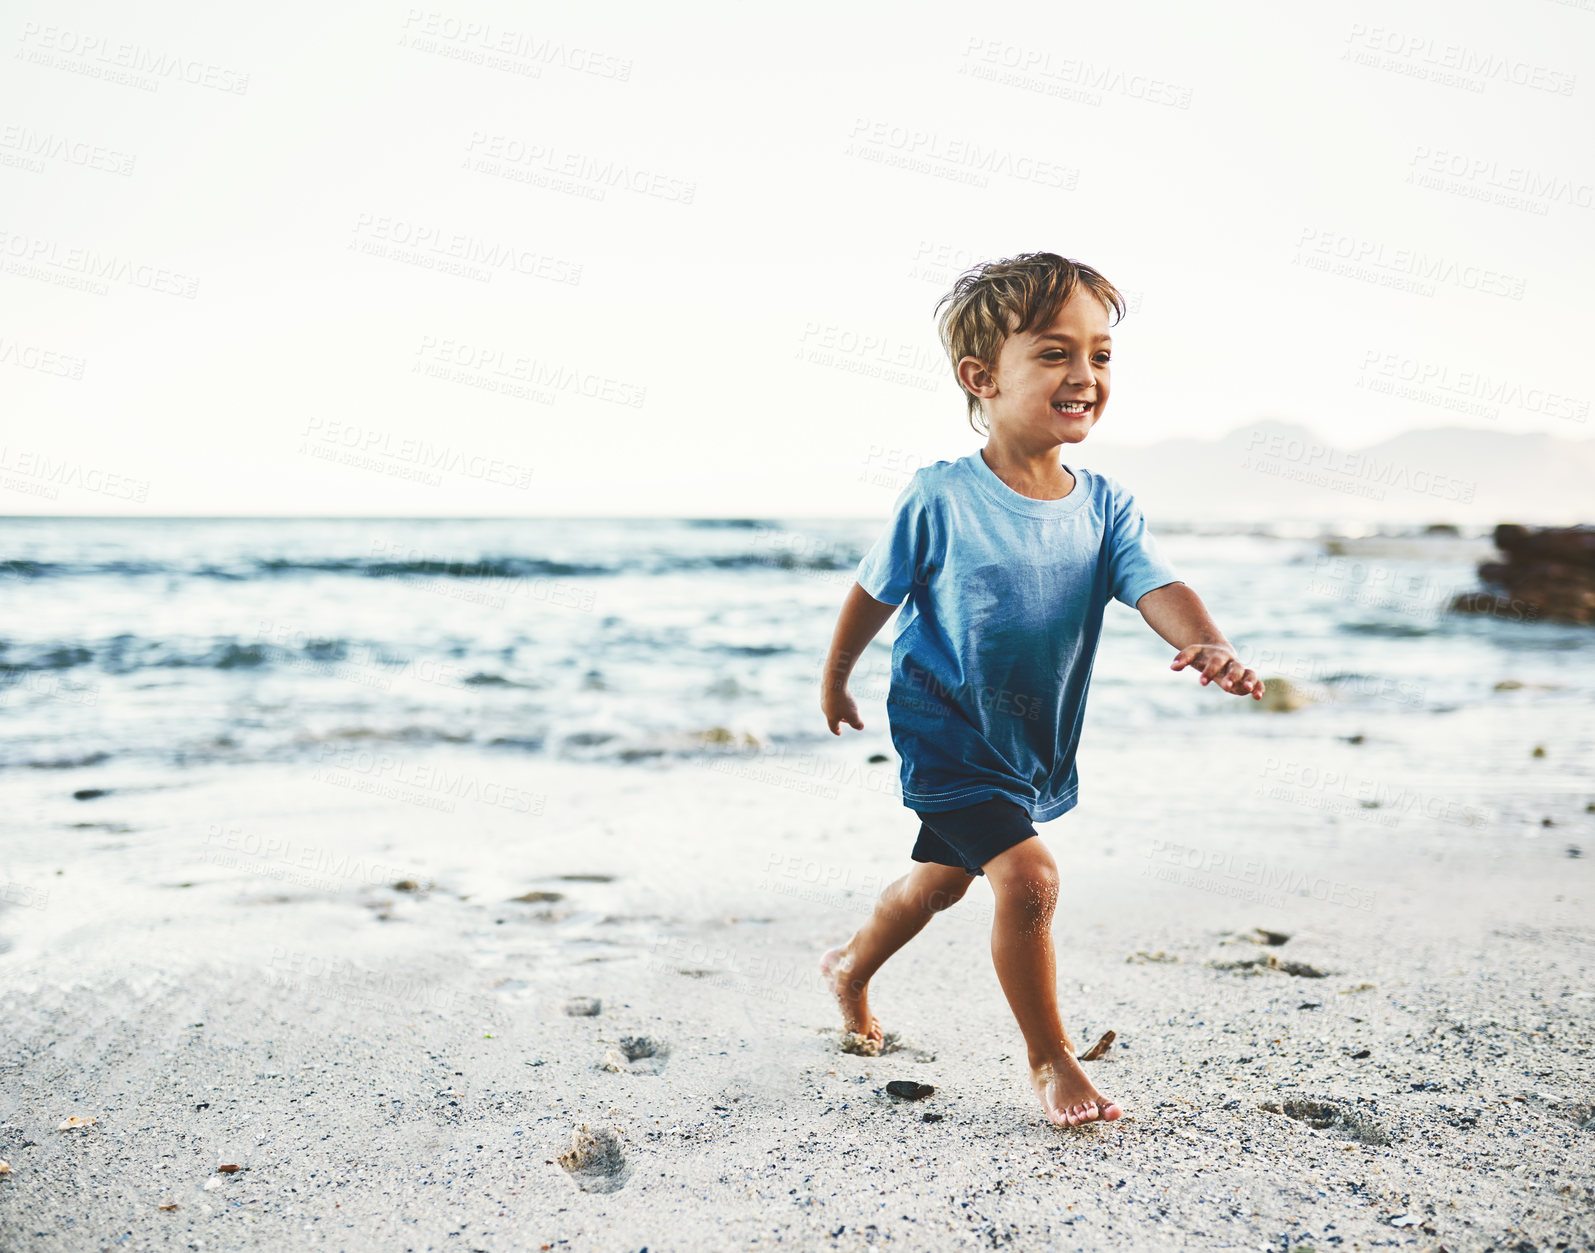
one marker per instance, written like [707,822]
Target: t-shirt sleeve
[1138,565]
[887,572]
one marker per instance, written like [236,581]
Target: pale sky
[713,238]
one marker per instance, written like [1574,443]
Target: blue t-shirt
[996,641]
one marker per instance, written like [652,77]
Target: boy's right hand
[838,707]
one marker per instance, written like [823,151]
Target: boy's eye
[1058,355]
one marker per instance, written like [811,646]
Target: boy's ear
[977,377]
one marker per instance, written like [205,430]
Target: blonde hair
[996,299]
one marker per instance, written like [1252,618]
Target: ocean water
[161,643]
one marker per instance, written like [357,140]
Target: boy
[1007,558]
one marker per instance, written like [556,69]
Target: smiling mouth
[1073,408]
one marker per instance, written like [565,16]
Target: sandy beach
[221,972]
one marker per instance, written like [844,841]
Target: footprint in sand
[596,1160]
[866,1046]
[1251,965]
[1331,1115]
[636,1055]
[1581,1116]
[583,1006]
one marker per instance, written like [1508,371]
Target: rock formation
[1549,573]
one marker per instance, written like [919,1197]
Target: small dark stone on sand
[1353,739]
[1360,1054]
[1547,822]
[406,885]
[537,898]
[89,793]
[931,1117]
[909,1090]
[1311,1005]
[876,758]
[1573,850]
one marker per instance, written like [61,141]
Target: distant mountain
[1271,470]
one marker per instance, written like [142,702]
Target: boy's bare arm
[1177,613]
[860,621]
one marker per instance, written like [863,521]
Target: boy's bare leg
[901,912]
[1024,880]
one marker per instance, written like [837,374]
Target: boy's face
[1042,376]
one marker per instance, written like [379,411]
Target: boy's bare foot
[861,1030]
[1067,1095]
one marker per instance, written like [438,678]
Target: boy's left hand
[1218,664]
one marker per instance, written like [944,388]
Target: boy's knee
[1033,886]
[1041,888]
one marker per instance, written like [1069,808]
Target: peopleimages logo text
[1420,266]
[1354,467]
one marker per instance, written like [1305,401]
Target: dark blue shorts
[972,835]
